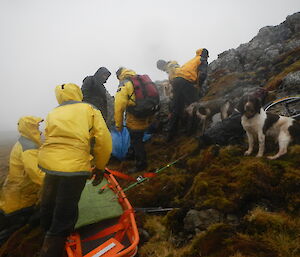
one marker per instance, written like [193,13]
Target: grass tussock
[275,81]
[210,243]
[25,242]
[160,243]
[278,231]
[238,254]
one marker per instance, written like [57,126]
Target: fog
[46,43]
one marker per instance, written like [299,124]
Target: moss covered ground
[264,195]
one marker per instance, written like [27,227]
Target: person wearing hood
[74,130]
[94,92]
[124,98]
[188,79]
[22,186]
[169,67]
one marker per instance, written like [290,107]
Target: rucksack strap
[129,97]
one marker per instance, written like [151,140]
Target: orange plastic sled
[109,238]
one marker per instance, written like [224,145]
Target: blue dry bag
[121,142]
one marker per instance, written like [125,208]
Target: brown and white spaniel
[258,124]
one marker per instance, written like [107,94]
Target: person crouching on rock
[21,189]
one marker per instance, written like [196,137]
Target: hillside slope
[224,204]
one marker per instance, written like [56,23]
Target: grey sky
[46,43]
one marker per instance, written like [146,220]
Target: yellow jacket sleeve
[103,142]
[121,102]
[30,161]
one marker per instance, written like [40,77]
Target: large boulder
[196,221]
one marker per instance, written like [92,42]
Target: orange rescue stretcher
[117,237]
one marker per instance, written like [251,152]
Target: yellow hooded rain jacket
[24,180]
[171,68]
[125,97]
[70,129]
[189,70]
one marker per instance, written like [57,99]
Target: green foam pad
[95,207]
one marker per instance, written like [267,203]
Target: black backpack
[146,97]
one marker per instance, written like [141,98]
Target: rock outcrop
[274,51]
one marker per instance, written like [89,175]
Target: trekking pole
[141,179]
[153,209]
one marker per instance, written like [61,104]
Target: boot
[130,155]
[170,136]
[53,246]
[138,168]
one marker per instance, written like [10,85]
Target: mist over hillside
[7,140]
[8,137]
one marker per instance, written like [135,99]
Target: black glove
[98,176]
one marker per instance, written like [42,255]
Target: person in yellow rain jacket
[188,78]
[124,98]
[73,130]
[169,67]
[21,189]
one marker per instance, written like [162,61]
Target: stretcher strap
[106,186]
[125,220]
[149,175]
[122,225]
[130,178]
[73,245]
[120,175]
[105,232]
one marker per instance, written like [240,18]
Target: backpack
[146,97]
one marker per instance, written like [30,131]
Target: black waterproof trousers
[138,148]
[59,205]
[184,93]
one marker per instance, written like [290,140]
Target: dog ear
[258,104]
[241,105]
[194,111]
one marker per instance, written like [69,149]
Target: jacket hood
[203,52]
[101,75]
[126,73]
[68,92]
[161,65]
[28,127]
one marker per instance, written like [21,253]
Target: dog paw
[247,153]
[259,155]
[272,157]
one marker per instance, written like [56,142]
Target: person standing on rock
[188,79]
[94,92]
[73,131]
